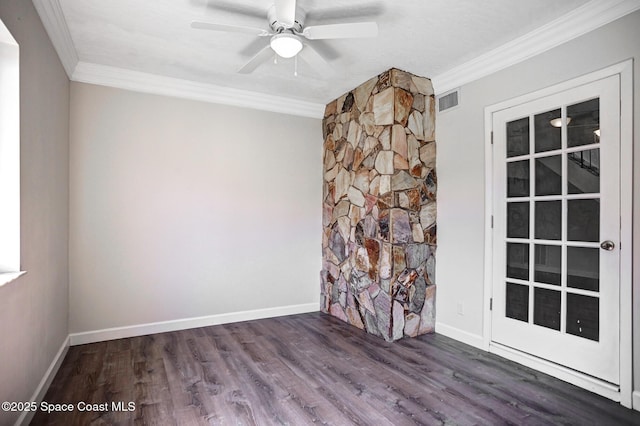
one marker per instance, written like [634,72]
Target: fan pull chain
[295,66]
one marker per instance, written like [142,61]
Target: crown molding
[52,17]
[54,23]
[169,86]
[582,20]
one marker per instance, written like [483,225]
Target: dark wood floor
[312,368]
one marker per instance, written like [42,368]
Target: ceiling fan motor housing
[288,35]
[278,26]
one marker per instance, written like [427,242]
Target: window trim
[9,157]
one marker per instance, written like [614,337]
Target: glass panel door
[556,208]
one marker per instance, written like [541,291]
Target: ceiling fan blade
[315,60]
[364,11]
[227,6]
[286,11]
[261,57]
[353,30]
[229,28]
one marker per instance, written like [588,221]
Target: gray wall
[34,308]
[460,135]
[182,209]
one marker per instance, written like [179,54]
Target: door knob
[607,245]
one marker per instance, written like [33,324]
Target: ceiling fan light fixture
[286,45]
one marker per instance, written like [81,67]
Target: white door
[556,207]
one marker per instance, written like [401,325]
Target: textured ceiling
[424,37]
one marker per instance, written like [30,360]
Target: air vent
[448,100]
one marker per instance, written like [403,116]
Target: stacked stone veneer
[379,212]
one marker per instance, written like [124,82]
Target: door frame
[623,393]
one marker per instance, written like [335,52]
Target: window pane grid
[554,152]
[582,292]
[532,218]
[590,196]
[563,283]
[579,148]
[544,160]
[518,281]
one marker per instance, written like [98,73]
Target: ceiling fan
[288,35]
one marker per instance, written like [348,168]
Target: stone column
[379,209]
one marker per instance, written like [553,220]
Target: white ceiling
[430,38]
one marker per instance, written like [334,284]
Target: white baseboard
[636,400]
[26,416]
[474,340]
[186,323]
